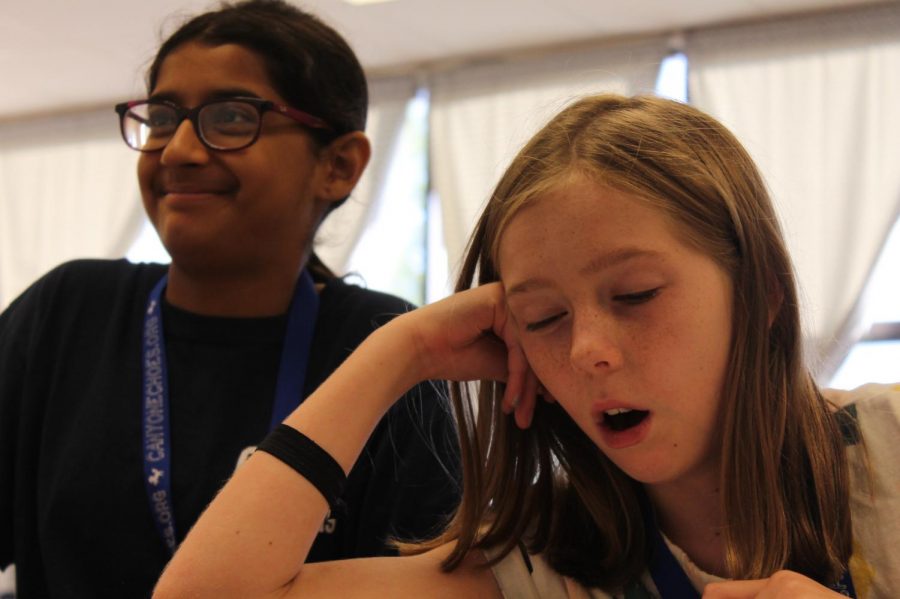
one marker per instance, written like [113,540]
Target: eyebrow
[219,94]
[598,264]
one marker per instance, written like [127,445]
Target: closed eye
[637,298]
[534,326]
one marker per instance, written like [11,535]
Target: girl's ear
[343,162]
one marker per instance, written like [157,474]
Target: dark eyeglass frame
[193,115]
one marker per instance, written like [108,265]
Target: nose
[595,346]
[185,147]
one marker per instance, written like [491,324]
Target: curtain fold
[815,100]
[343,228]
[67,190]
[481,115]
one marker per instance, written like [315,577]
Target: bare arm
[414,576]
[253,539]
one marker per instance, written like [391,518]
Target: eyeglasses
[224,125]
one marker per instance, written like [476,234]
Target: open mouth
[622,419]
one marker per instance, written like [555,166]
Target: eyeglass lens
[229,124]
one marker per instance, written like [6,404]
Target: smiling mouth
[622,419]
[189,192]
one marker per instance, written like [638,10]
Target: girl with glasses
[129,393]
[644,424]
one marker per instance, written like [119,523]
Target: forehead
[578,202]
[194,72]
[579,220]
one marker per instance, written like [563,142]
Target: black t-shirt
[74,512]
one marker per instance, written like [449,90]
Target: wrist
[399,359]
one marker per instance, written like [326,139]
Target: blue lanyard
[671,581]
[157,449]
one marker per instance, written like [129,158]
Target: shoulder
[88,277]
[365,306]
[98,269]
[875,485]
[875,411]
[871,393]
[875,407]
[350,313]
[77,289]
[872,453]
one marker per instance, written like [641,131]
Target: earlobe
[344,161]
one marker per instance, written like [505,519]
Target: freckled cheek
[660,352]
[686,355]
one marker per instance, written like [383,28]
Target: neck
[231,294]
[691,516]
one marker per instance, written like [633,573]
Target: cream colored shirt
[875,565]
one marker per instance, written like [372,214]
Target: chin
[187,251]
[649,470]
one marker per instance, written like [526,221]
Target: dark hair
[307,61]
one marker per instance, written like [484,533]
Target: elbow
[178,583]
[164,589]
[182,581]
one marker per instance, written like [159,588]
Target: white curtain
[344,227]
[817,103]
[67,190]
[483,114]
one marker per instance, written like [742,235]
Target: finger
[525,409]
[516,364]
[517,372]
[544,394]
[486,360]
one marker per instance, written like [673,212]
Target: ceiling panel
[62,55]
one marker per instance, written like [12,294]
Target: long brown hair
[784,474]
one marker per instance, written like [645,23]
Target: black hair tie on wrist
[306,457]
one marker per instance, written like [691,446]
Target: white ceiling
[63,55]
